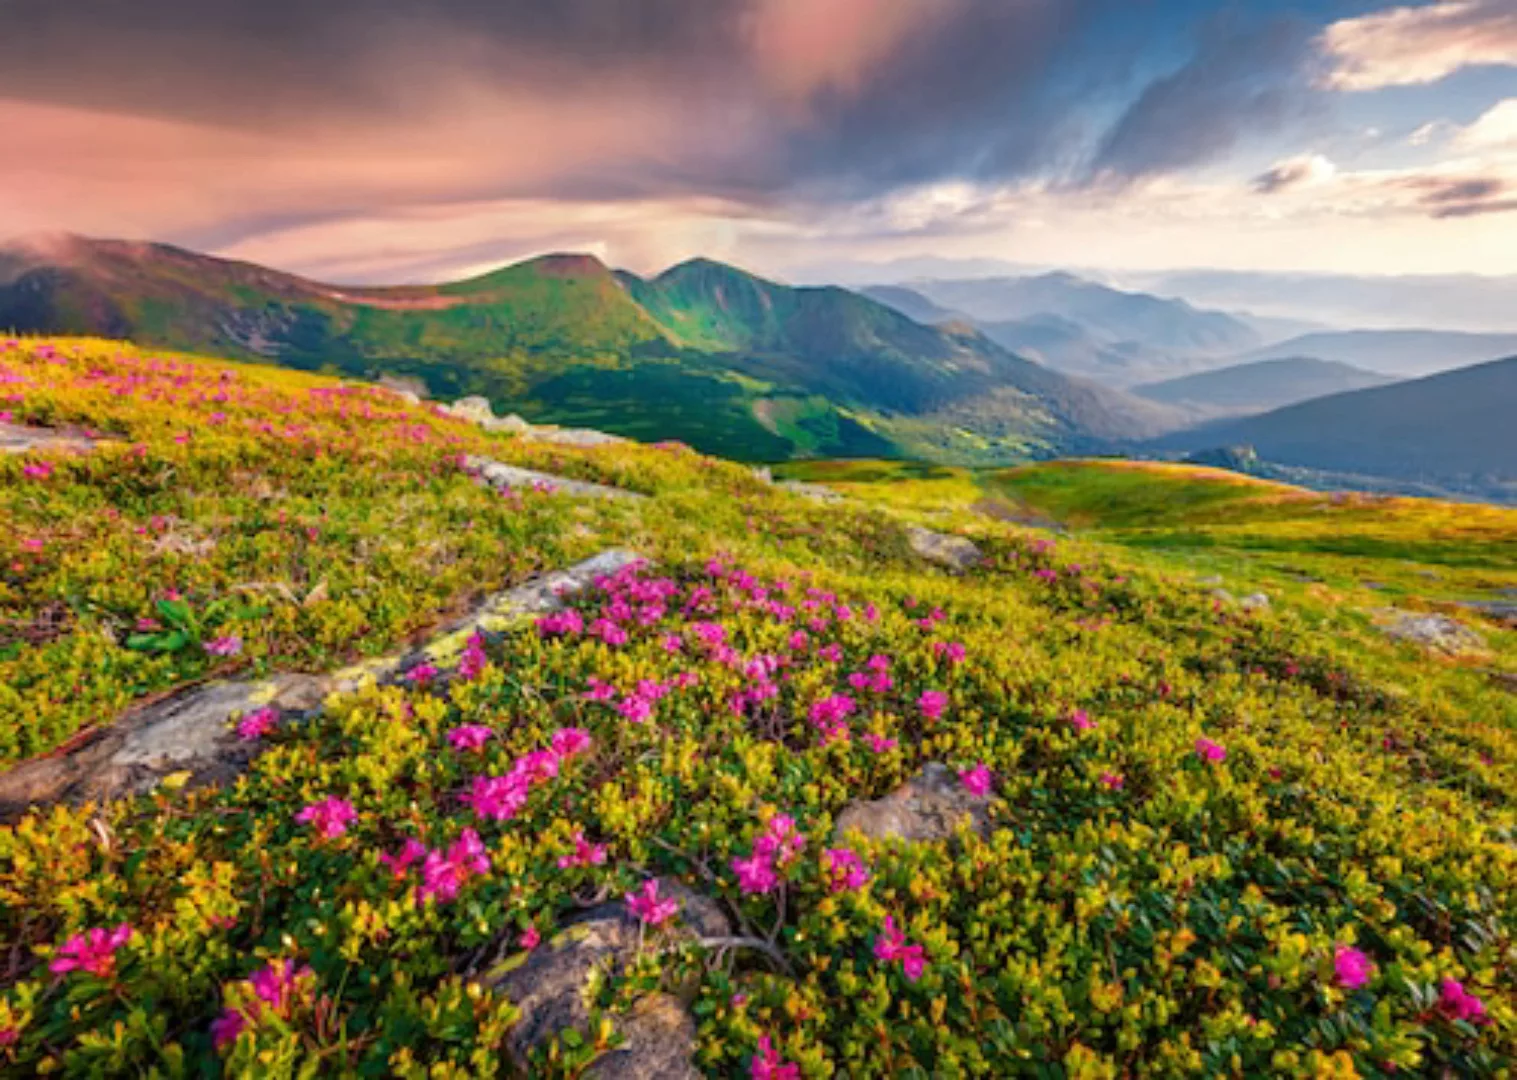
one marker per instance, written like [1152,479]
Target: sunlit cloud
[1405,46]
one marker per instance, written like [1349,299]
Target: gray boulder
[930,806]
[952,552]
[22,439]
[475,408]
[815,492]
[502,477]
[1439,633]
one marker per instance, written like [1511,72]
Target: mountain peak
[567,264]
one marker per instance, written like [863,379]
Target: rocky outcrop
[549,984]
[814,492]
[22,439]
[930,806]
[952,552]
[505,477]
[1440,633]
[191,732]
[186,733]
[477,410]
[1501,611]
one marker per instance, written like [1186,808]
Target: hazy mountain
[911,303]
[1111,315]
[1395,352]
[1261,385]
[704,353]
[1453,429]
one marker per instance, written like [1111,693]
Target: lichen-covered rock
[1440,633]
[953,552]
[22,439]
[815,492]
[501,476]
[548,986]
[512,425]
[475,409]
[188,733]
[930,806]
[1255,602]
[573,436]
[1501,611]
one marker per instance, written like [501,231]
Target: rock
[493,615]
[501,476]
[1440,633]
[574,436]
[22,439]
[764,474]
[930,806]
[1502,611]
[513,425]
[1255,602]
[549,985]
[476,409]
[953,552]
[1222,596]
[188,732]
[815,492]
[1507,680]
[1210,579]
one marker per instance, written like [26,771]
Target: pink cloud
[1406,46]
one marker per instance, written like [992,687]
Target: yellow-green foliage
[1138,909]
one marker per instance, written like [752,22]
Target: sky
[419,140]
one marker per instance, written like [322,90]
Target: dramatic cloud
[1410,45]
[1496,129]
[1295,172]
[1243,80]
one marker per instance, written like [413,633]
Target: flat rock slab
[21,439]
[188,732]
[815,492]
[1440,633]
[952,552]
[1502,611]
[503,477]
[549,987]
[494,615]
[930,806]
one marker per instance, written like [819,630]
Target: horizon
[802,140]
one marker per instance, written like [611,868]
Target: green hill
[704,353]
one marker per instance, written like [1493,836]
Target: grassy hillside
[704,353]
[1221,842]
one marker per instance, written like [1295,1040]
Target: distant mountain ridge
[1453,430]
[1261,385]
[705,353]
[1406,353]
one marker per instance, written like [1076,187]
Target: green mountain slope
[704,353]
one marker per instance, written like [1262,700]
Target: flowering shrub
[1312,900]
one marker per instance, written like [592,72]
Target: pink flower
[831,709]
[880,743]
[1352,967]
[673,643]
[780,839]
[258,723]
[978,780]
[444,873]
[608,632]
[93,951]
[1211,751]
[497,798]
[1112,780]
[755,874]
[599,690]
[530,938]
[471,736]
[275,984]
[473,660]
[230,645]
[845,870]
[932,703]
[766,1064]
[421,674]
[1457,1003]
[585,853]
[413,851]
[637,710]
[37,470]
[952,651]
[891,945]
[645,904]
[561,624]
[330,816]
[570,742]
[226,1027]
[1080,720]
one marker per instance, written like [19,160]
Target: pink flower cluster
[844,869]
[932,703]
[1457,1003]
[473,659]
[330,817]
[1080,720]
[229,645]
[93,951]
[891,945]
[767,1064]
[830,717]
[471,736]
[443,870]
[275,987]
[258,723]
[978,780]
[646,905]
[774,849]
[500,798]
[585,853]
[1352,967]
[1211,751]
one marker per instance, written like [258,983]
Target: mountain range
[1448,432]
[704,353]
[1261,385]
